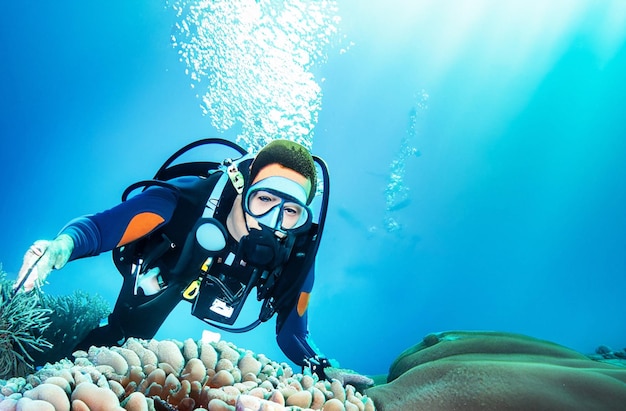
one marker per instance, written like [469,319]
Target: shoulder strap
[285,291]
[230,171]
[171,169]
[200,168]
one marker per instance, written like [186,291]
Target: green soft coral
[72,317]
[22,324]
[36,328]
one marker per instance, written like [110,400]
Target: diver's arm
[294,340]
[292,332]
[128,221]
[293,337]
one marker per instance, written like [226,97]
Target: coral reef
[71,317]
[171,375]
[608,355]
[22,320]
[36,328]
[449,370]
[446,371]
[498,371]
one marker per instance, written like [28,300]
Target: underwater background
[476,151]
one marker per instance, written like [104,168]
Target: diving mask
[278,203]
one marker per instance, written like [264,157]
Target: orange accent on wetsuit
[140,225]
[303,303]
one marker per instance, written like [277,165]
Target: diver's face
[277,199]
[262,202]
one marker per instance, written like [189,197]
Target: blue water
[476,151]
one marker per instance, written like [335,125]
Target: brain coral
[470,371]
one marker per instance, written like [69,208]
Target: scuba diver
[207,233]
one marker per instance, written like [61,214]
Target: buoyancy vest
[173,249]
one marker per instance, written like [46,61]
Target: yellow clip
[206,265]
[192,290]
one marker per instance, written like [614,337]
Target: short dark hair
[290,155]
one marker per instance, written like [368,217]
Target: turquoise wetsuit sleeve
[121,224]
[292,332]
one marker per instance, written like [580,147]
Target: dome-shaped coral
[176,377]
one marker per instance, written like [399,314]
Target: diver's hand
[316,365]
[41,258]
[324,369]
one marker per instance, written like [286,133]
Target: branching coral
[36,328]
[72,317]
[22,324]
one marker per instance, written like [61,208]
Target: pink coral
[96,398]
[168,352]
[26,404]
[136,402]
[167,375]
[194,370]
[52,394]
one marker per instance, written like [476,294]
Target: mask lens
[292,215]
[261,202]
[276,210]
